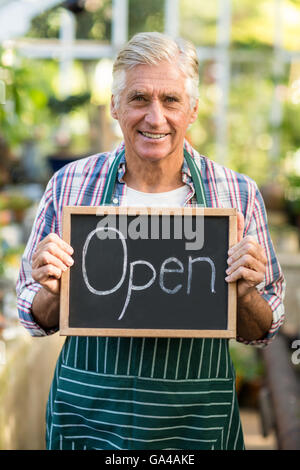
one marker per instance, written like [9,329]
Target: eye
[171,99]
[139,98]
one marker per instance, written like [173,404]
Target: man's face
[154,112]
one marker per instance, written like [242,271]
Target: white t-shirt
[175,198]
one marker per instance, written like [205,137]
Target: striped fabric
[145,393]
[153,420]
[149,393]
[82,183]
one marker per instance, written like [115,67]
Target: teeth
[153,136]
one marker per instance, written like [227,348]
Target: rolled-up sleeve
[27,287]
[272,289]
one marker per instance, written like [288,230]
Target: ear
[194,112]
[113,108]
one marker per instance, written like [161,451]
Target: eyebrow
[166,94]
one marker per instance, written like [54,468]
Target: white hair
[151,49]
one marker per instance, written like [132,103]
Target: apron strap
[111,179]
[197,179]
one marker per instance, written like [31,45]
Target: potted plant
[249,372]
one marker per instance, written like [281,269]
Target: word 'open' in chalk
[134,287]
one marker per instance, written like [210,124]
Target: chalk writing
[163,272]
[84,252]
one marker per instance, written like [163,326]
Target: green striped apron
[144,393]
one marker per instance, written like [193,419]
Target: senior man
[150,393]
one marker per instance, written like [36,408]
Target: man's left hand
[246,262]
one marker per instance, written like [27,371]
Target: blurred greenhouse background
[55,78]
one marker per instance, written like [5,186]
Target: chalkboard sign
[148,272]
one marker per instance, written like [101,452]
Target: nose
[155,116]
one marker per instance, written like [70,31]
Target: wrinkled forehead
[161,78]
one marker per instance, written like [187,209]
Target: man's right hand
[51,258]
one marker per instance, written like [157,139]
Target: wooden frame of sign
[66,328]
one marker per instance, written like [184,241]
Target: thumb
[240,226]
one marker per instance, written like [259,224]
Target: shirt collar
[185,171]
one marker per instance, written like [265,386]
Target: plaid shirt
[82,183]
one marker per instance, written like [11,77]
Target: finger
[43,274]
[249,262]
[54,238]
[240,226]
[252,277]
[52,285]
[247,245]
[47,258]
[246,241]
[256,253]
[54,250]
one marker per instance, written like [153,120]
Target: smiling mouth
[152,136]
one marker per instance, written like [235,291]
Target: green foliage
[145,16]
[90,24]
[45,25]
[294,180]
[28,86]
[68,104]
[14,202]
[95,24]
[290,126]
[252,85]
[292,197]
[247,364]
[8,255]
[198,24]
[250,139]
